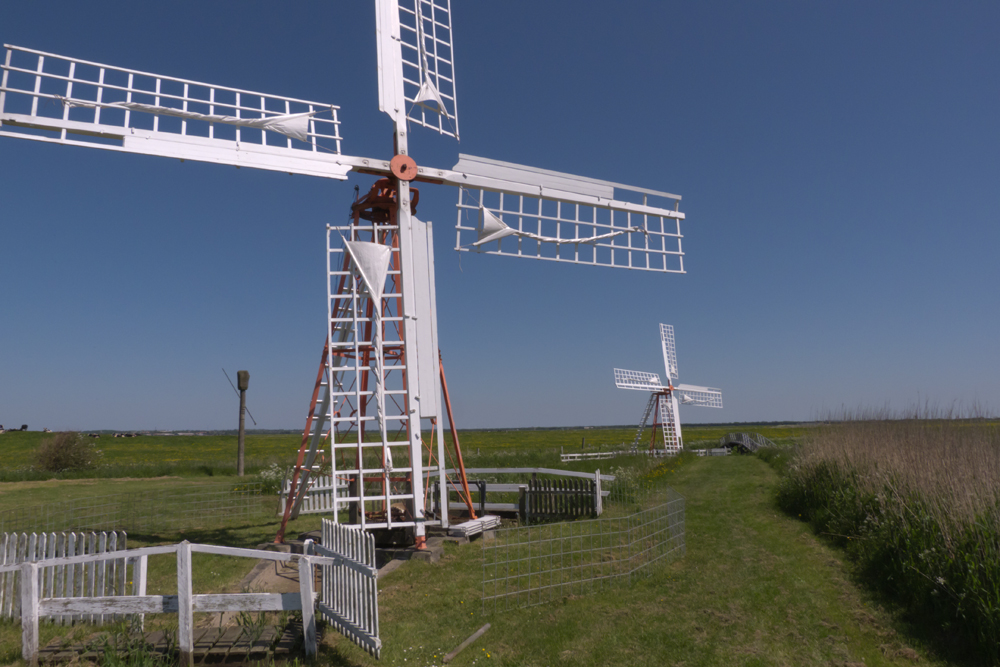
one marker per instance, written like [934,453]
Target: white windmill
[379,383]
[665,398]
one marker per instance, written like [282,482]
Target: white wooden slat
[349,591]
[185,617]
[3,575]
[29,614]
[72,581]
[86,558]
[49,573]
[100,572]
[306,602]
[90,544]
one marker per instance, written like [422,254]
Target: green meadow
[215,455]
[758,584]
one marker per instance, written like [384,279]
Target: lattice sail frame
[670,423]
[669,351]
[511,209]
[639,380]
[378,469]
[427,53]
[52,98]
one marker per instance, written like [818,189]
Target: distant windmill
[665,397]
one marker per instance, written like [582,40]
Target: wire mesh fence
[533,565]
[160,510]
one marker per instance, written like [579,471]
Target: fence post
[522,502]
[308,609]
[185,613]
[29,613]
[139,583]
[598,493]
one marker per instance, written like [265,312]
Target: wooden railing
[36,605]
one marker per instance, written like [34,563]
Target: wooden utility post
[242,382]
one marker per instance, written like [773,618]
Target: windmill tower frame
[387,315]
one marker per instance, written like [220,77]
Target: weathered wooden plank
[476,635]
[526,471]
[246,553]
[48,576]
[246,602]
[185,617]
[204,639]
[223,645]
[29,613]
[306,604]
[93,557]
[260,646]
[130,604]
[100,572]
[4,541]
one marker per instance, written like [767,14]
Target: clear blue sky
[839,164]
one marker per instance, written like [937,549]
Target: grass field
[757,587]
[148,456]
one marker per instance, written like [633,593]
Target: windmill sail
[511,209]
[703,397]
[639,380]
[52,98]
[669,350]
[428,62]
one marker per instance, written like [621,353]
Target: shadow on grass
[247,535]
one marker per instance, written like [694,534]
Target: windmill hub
[403,167]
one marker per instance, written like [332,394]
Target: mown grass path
[755,588]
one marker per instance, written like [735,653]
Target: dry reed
[917,504]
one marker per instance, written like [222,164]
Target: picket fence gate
[546,499]
[108,577]
[321,497]
[36,605]
[349,590]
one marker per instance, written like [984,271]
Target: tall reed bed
[916,502]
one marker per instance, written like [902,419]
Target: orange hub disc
[403,167]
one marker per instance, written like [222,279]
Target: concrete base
[432,554]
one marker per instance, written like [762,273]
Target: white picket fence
[118,576]
[321,496]
[349,590]
[35,604]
